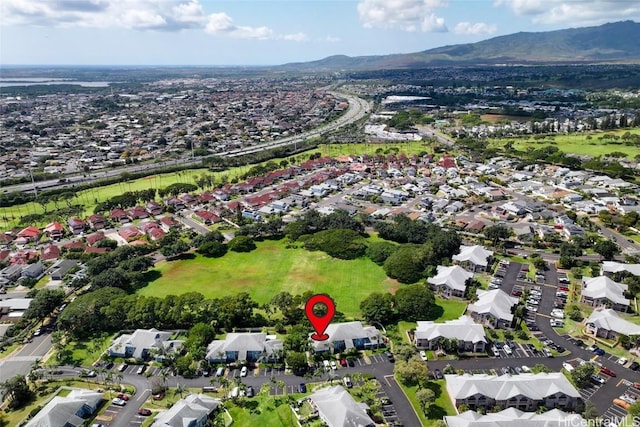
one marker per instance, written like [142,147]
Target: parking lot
[615,412]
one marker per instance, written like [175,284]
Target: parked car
[119,402]
[390,356]
[302,388]
[597,379]
[622,361]
[347,382]
[526,369]
[608,371]
[437,374]
[507,350]
[343,362]
[621,403]
[250,391]
[144,411]
[628,398]
[600,352]
[244,371]
[88,374]
[333,365]
[141,369]
[634,366]
[351,362]
[122,396]
[423,355]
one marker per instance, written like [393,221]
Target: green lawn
[452,309]
[577,143]
[272,268]
[441,407]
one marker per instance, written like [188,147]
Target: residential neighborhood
[474,283]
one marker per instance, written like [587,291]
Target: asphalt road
[21,361]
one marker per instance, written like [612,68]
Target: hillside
[605,43]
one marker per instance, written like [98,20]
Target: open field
[272,268]
[577,143]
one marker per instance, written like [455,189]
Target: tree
[539,367]
[415,302]
[377,307]
[426,397]
[241,244]
[606,249]
[176,249]
[213,249]
[200,335]
[411,372]
[590,411]
[297,340]
[496,233]
[18,391]
[634,410]
[378,252]
[44,302]
[406,264]
[338,243]
[581,375]
[297,362]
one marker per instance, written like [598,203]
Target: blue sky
[266,32]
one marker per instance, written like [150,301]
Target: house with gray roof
[68,411]
[469,334]
[473,258]
[348,335]
[601,291]
[493,308]
[451,281]
[609,268]
[249,346]
[526,392]
[511,416]
[337,408]
[192,411]
[143,343]
[607,323]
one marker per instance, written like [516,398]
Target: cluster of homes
[44,136]
[78,405]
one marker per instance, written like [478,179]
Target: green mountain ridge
[612,42]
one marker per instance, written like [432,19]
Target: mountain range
[612,42]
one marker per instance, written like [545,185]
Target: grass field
[577,143]
[272,268]
[441,407]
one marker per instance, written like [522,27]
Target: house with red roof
[76,225]
[54,230]
[94,238]
[447,162]
[154,208]
[49,253]
[119,215]
[75,245]
[28,234]
[137,212]
[129,233]
[156,233]
[94,250]
[97,221]
[6,239]
[206,217]
[167,223]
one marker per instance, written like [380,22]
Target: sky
[270,32]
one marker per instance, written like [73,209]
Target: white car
[333,365]
[622,361]
[423,355]
[557,313]
[526,369]
[507,350]
[119,402]
[244,371]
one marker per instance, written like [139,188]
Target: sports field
[272,268]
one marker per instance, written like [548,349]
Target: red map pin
[320,323]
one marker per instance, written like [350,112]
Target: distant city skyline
[266,32]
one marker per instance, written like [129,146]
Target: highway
[358,108]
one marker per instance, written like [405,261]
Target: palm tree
[180,389]
[224,383]
[164,375]
[282,385]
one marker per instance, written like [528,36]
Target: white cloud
[407,15]
[584,12]
[475,28]
[160,15]
[332,39]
